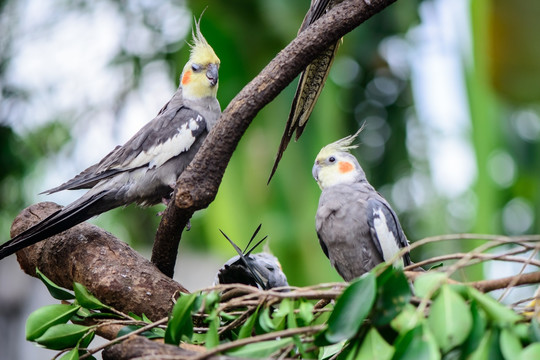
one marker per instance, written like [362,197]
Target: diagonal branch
[198,185]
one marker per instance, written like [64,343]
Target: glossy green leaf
[85,341]
[416,344]
[85,299]
[261,349]
[510,344]
[56,291]
[408,319]
[180,323]
[47,316]
[530,352]
[73,354]
[450,319]
[497,312]
[247,329]
[428,283]
[393,293]
[374,347]
[62,336]
[350,310]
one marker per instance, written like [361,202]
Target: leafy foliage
[375,316]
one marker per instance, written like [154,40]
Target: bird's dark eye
[270,268]
[331,159]
[196,67]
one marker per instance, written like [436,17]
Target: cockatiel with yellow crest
[356,226]
[144,170]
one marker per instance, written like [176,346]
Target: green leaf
[247,328]
[351,309]
[211,300]
[47,316]
[85,341]
[478,330]
[408,319]
[180,323]
[510,344]
[427,284]
[85,299]
[62,336]
[73,354]
[280,316]
[265,322]
[374,347]
[211,339]
[500,314]
[56,291]
[534,331]
[305,313]
[393,293]
[330,350]
[416,344]
[261,349]
[482,352]
[450,319]
[530,352]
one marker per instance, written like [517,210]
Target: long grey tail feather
[71,215]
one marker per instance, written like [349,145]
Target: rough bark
[198,185]
[108,267]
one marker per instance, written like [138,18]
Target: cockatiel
[261,270]
[144,170]
[356,226]
[311,82]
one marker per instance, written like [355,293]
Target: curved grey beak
[212,74]
[315,172]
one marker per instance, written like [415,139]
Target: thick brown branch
[198,185]
[108,267]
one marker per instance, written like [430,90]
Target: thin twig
[259,338]
[124,337]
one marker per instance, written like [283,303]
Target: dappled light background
[449,91]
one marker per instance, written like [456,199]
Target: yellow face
[200,75]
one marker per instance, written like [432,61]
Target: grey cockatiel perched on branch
[144,170]
[356,226]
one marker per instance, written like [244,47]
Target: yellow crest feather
[201,52]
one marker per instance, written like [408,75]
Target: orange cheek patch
[345,167]
[186,77]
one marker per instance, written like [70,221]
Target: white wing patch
[181,141]
[386,237]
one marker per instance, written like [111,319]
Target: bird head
[199,78]
[334,164]
[261,270]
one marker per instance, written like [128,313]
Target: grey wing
[168,135]
[386,230]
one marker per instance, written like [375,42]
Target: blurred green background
[449,90]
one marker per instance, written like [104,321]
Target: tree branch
[198,184]
[108,267]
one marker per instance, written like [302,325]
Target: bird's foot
[188,225]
